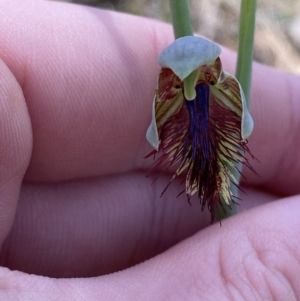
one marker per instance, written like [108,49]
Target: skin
[76,93]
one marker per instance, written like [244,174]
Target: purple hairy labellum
[205,137]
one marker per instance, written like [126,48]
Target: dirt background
[277,37]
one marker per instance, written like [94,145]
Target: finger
[88,77]
[15,146]
[94,227]
[100,226]
[275,139]
[90,105]
[232,262]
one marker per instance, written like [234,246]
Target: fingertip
[15,146]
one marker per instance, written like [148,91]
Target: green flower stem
[181,18]
[182,26]
[245,53]
[244,68]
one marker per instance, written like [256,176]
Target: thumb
[15,146]
[253,256]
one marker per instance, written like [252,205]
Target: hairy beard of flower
[203,138]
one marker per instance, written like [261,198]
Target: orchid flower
[201,129]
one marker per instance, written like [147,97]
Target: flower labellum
[206,136]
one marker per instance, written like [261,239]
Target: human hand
[76,92]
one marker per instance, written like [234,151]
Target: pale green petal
[152,134]
[247,121]
[187,54]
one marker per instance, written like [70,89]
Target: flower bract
[205,137]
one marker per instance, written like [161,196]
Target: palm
[76,103]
